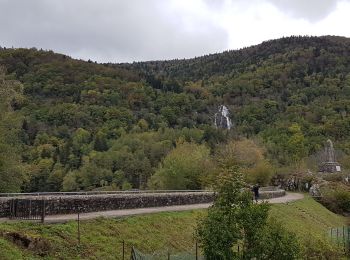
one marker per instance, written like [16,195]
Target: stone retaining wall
[92,203]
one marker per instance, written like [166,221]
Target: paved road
[130,212]
[288,198]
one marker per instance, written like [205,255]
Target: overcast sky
[135,30]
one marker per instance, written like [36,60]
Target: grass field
[102,238]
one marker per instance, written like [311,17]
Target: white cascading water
[222,119]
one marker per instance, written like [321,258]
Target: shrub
[336,199]
[261,173]
[185,167]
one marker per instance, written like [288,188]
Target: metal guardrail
[38,194]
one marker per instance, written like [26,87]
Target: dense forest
[69,124]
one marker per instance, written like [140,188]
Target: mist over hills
[116,122]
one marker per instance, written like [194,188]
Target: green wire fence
[341,236]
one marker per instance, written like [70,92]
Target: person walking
[256,192]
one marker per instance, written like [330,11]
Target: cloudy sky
[134,30]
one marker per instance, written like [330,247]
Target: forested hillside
[73,125]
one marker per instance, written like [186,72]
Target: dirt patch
[35,244]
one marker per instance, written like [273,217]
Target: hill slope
[69,117]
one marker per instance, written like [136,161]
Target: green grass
[311,222]
[9,251]
[102,238]
[307,217]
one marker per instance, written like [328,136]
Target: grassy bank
[311,222]
[101,238]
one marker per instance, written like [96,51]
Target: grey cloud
[311,10]
[107,30]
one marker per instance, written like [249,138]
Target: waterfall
[222,119]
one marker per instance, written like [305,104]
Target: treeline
[72,125]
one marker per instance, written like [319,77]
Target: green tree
[71,182]
[234,220]
[185,167]
[100,142]
[296,143]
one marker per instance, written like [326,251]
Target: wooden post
[196,250]
[43,209]
[123,249]
[168,255]
[78,227]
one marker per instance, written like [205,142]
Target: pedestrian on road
[256,192]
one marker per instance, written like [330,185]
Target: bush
[320,248]
[185,167]
[261,173]
[275,242]
[337,199]
[334,177]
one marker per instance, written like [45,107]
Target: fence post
[349,239]
[123,249]
[344,238]
[78,227]
[15,208]
[338,236]
[43,211]
[11,208]
[168,255]
[196,250]
[332,234]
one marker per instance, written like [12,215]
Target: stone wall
[69,204]
[92,203]
[273,193]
